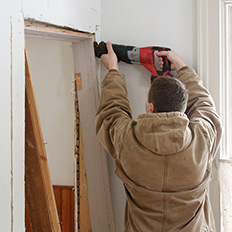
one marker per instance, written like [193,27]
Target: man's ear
[152,108]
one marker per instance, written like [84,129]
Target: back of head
[168,94]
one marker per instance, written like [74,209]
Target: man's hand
[176,62]
[110,59]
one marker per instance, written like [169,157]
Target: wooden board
[38,188]
[85,223]
[64,196]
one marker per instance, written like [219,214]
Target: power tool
[133,55]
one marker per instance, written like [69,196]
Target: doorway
[73,54]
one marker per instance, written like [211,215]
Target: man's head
[166,94]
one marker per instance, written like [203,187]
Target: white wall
[78,14]
[141,23]
[52,70]
[146,23]
[5,132]
[154,22]
[83,15]
[12,116]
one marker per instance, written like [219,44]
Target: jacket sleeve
[114,114]
[201,108]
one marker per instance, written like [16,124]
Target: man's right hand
[176,62]
[110,59]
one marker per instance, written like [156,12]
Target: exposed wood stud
[84,223]
[78,81]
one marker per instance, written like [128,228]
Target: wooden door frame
[95,156]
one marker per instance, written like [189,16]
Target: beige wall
[51,64]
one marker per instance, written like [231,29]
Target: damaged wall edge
[33,23]
[56,33]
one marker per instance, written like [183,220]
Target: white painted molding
[208,46]
[212,65]
[202,40]
[208,67]
[224,72]
[212,47]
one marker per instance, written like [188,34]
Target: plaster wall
[146,23]
[77,14]
[51,65]
[5,132]
[12,117]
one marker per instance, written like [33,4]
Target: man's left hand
[110,59]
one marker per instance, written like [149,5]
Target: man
[164,159]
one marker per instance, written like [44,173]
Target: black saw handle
[120,51]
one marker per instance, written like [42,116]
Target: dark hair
[168,94]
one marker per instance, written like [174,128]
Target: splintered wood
[83,214]
[78,80]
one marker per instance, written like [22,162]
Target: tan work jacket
[163,159]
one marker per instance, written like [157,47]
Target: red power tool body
[133,55]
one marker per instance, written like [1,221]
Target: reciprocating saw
[133,55]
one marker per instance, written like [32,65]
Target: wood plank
[27,219]
[66,210]
[65,195]
[34,189]
[70,215]
[58,198]
[77,155]
[72,209]
[95,156]
[78,80]
[85,223]
[38,188]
